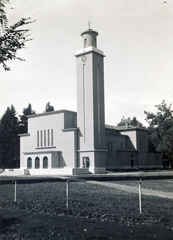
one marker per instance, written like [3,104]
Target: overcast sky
[135,35]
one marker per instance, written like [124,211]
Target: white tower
[90,104]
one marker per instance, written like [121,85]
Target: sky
[136,36]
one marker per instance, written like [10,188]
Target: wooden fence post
[67,191]
[140,209]
[15,188]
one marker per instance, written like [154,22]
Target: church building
[66,142]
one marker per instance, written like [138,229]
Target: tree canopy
[130,121]
[49,108]
[10,127]
[161,130]
[23,124]
[12,38]
[9,141]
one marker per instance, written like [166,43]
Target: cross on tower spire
[89,24]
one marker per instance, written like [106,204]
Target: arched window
[37,162]
[29,163]
[45,162]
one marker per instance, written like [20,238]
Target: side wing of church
[50,146]
[66,142]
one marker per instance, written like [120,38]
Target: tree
[161,130]
[9,141]
[49,108]
[133,122]
[12,38]
[23,125]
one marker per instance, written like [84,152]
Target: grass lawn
[95,212]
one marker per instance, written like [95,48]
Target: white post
[67,193]
[15,187]
[140,210]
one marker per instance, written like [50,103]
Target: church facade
[66,142]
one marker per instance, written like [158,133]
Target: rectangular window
[41,138]
[38,139]
[44,138]
[52,137]
[48,137]
[110,149]
[142,143]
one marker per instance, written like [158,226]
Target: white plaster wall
[24,142]
[132,135]
[67,146]
[53,121]
[63,141]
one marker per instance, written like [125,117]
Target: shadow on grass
[8,223]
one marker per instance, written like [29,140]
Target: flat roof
[49,113]
[124,128]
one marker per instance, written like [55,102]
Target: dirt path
[145,191]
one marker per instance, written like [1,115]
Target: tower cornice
[88,50]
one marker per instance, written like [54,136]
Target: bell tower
[90,104]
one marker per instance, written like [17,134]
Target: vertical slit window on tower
[98,100]
[95,43]
[85,42]
[84,99]
[51,137]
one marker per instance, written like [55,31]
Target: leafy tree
[12,38]
[133,122]
[161,130]
[49,108]
[23,126]
[9,141]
